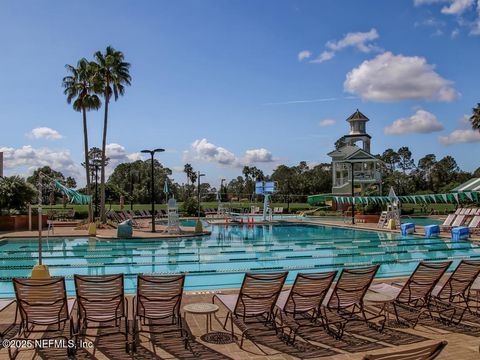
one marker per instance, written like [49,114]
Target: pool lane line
[189,262]
[392,243]
[270,268]
[398,250]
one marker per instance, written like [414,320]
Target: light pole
[353,193]
[199,175]
[152,187]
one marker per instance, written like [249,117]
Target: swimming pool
[418,220]
[219,260]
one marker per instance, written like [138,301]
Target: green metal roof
[470,185]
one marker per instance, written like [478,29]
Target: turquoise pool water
[219,260]
[421,221]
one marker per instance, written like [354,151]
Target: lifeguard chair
[173,224]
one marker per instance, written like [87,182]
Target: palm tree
[80,87]
[114,74]
[475,118]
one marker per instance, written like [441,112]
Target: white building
[366,167]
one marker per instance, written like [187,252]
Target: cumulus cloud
[360,40]
[327,122]
[31,158]
[261,155]
[203,150]
[305,54]
[118,154]
[460,137]
[457,7]
[422,122]
[389,77]
[44,133]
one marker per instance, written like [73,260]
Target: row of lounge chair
[469,218]
[100,303]
[314,300]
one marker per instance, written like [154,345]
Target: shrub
[190,207]
[15,194]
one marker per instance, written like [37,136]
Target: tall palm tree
[114,74]
[475,118]
[80,87]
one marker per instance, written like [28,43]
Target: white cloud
[327,122]
[457,7]
[389,77]
[324,56]
[305,54]
[257,156]
[462,10]
[422,122]
[45,133]
[460,137]
[118,154]
[360,40]
[16,159]
[202,150]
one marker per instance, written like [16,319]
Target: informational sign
[265,187]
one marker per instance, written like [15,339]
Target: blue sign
[265,187]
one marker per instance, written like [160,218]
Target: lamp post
[221,189]
[199,175]
[152,195]
[353,193]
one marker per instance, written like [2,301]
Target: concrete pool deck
[461,345]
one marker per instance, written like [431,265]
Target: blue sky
[221,84]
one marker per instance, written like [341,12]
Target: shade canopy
[470,185]
[72,195]
[448,198]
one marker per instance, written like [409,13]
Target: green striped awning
[73,195]
[457,197]
[470,185]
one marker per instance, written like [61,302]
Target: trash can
[407,228]
[125,229]
[460,233]
[432,231]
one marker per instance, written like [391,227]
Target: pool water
[219,260]
[419,220]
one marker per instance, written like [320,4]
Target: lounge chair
[256,299]
[303,300]
[413,297]
[447,223]
[451,300]
[101,305]
[474,225]
[458,211]
[429,352]
[4,304]
[344,303]
[157,303]
[43,303]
